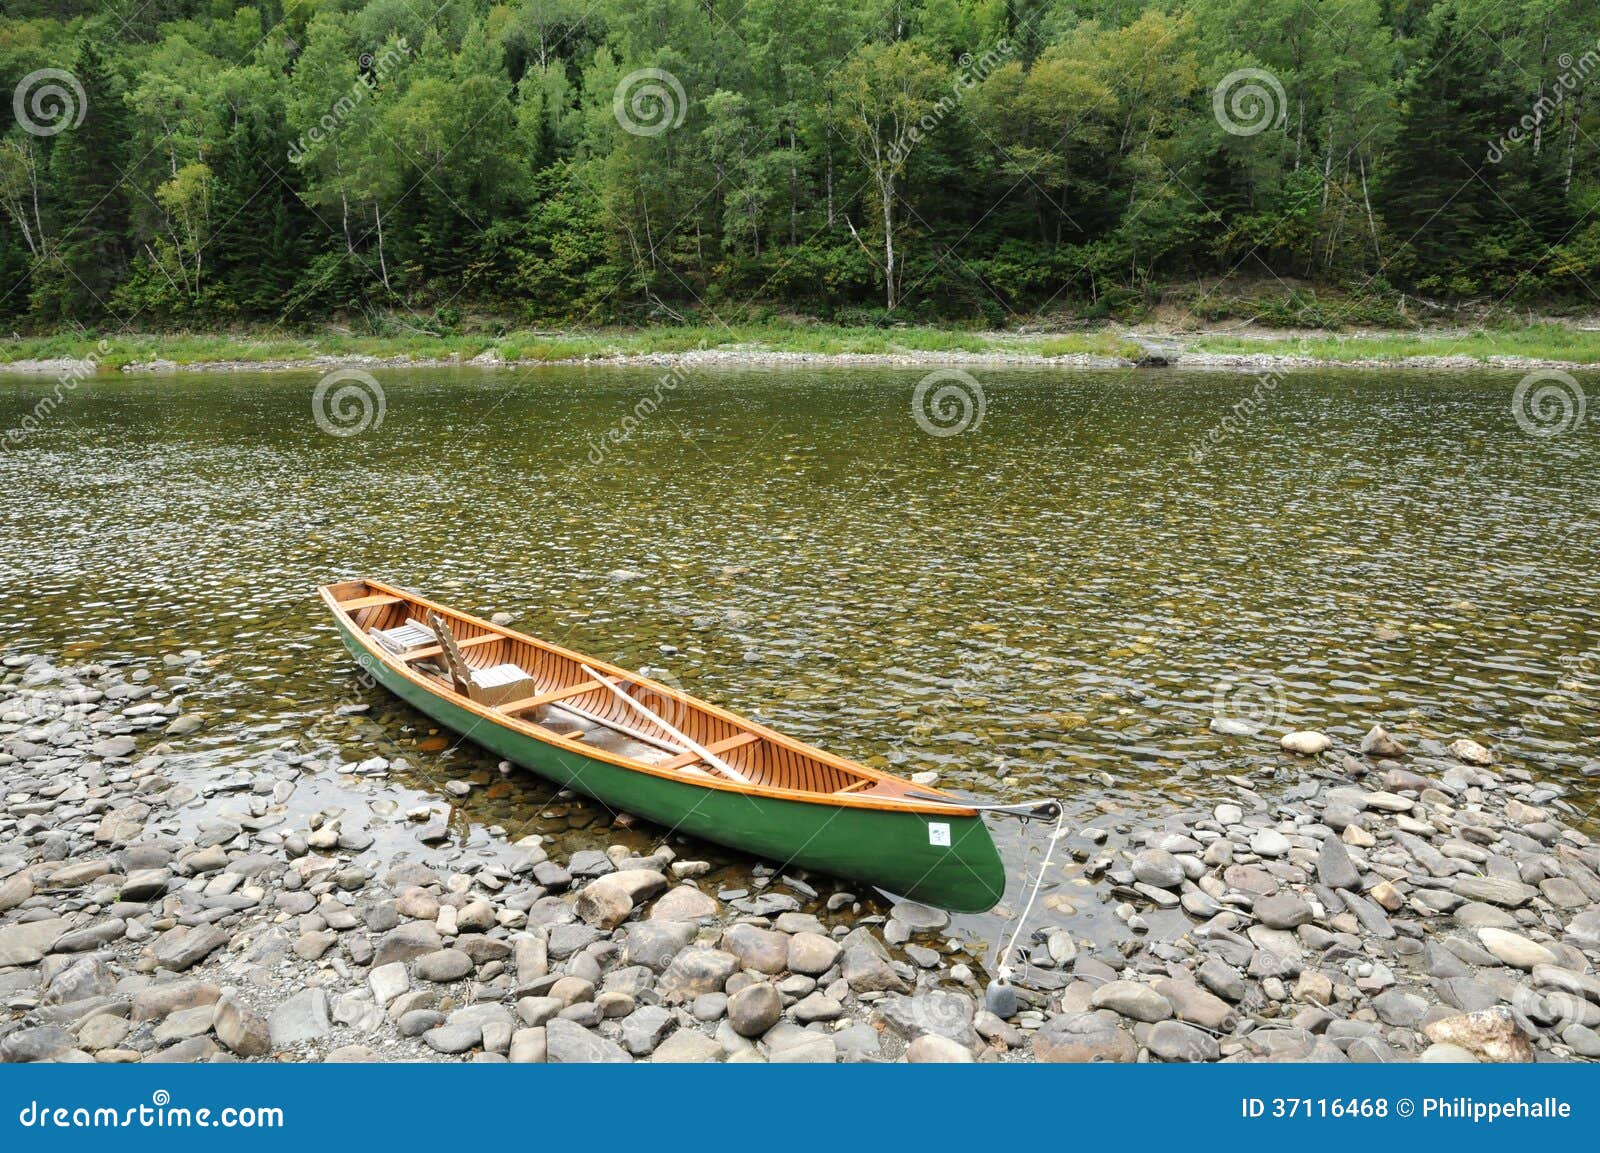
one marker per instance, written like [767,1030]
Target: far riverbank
[1544,345]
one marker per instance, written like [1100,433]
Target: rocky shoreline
[1391,903]
[1167,356]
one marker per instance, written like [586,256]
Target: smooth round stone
[1306,743]
[1159,868]
[1447,1055]
[1269,843]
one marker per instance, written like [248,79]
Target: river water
[1058,599]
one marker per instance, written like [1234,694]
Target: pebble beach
[1404,900]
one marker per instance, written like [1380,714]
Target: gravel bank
[1171,354]
[1395,904]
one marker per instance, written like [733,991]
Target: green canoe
[643,747]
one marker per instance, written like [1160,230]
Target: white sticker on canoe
[938,834]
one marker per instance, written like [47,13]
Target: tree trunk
[1572,140]
[383,266]
[829,138]
[1372,225]
[888,241]
[794,189]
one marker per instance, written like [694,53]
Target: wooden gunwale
[790,754]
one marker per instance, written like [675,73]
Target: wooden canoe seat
[546,698]
[371,602]
[727,744]
[492,686]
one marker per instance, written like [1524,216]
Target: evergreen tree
[88,256]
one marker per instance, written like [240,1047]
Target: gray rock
[448,1038]
[687,1046]
[1395,1007]
[25,944]
[696,971]
[242,1030]
[1335,869]
[654,944]
[443,966]
[645,1028]
[1222,979]
[1193,1004]
[407,942]
[80,981]
[40,1043]
[1283,911]
[931,1048]
[812,953]
[920,918]
[419,1021]
[1132,1000]
[1494,891]
[1159,868]
[936,1011]
[1176,1041]
[568,1043]
[1083,1038]
[756,948]
[684,903]
[145,884]
[303,1017]
[754,1009]
[866,966]
[184,952]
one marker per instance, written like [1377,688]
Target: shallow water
[1057,600]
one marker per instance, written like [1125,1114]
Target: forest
[193,163]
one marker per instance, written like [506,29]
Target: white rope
[1038,883]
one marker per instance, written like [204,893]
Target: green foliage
[976,162]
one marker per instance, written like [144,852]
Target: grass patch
[1536,342]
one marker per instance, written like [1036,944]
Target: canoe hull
[947,861]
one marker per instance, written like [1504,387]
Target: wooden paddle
[690,743]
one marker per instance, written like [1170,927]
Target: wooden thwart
[726,745]
[437,650]
[534,702]
[371,602]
